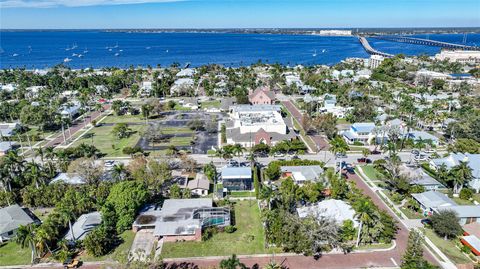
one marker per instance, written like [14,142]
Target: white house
[331,208]
[454,159]
[187,72]
[199,185]
[362,132]
[181,86]
[146,88]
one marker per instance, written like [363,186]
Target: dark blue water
[45,49]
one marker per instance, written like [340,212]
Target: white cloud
[72,3]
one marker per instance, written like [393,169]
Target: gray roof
[433,199]
[6,146]
[466,211]
[84,224]
[419,177]
[176,216]
[67,178]
[199,182]
[236,172]
[12,217]
[310,172]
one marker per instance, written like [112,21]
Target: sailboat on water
[315,54]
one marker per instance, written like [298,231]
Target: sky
[121,14]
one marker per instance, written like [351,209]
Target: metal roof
[11,217]
[236,172]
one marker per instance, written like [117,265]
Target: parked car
[350,170]
[71,263]
[109,163]
[426,222]
[375,152]
[341,155]
[295,157]
[364,160]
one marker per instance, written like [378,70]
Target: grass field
[248,223]
[103,139]
[123,118]
[371,172]
[176,130]
[211,104]
[12,254]
[448,247]
[119,254]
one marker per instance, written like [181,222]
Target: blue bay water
[34,49]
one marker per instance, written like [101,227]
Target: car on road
[341,155]
[375,152]
[350,170]
[71,263]
[109,163]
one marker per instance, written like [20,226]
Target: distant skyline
[124,14]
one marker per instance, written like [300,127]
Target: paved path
[78,125]
[142,245]
[320,142]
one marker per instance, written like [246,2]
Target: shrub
[357,143]
[208,233]
[466,194]
[230,229]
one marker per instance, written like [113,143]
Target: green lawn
[180,107]
[103,139]
[176,130]
[242,194]
[119,253]
[448,247]
[371,172]
[123,118]
[248,223]
[211,104]
[460,201]
[410,214]
[476,197]
[12,254]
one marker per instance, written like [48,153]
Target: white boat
[85,51]
[80,55]
[324,50]
[109,49]
[315,54]
[120,50]
[15,54]
[166,51]
[66,60]
[74,55]
[148,48]
[117,54]
[116,46]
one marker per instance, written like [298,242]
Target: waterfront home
[83,226]
[302,174]
[182,219]
[454,159]
[237,178]
[11,218]
[337,210]
[33,91]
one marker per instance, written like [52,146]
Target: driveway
[142,245]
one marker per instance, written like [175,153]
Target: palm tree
[364,212]
[119,172]
[443,175]
[462,174]
[25,238]
[273,265]
[35,174]
[42,238]
[40,152]
[146,110]
[232,263]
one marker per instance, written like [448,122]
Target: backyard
[12,254]
[119,254]
[448,247]
[247,239]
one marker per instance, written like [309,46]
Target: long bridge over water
[412,40]
[426,42]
